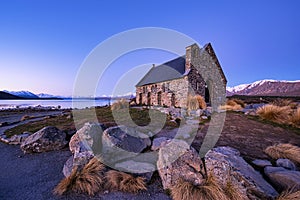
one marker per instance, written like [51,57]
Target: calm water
[67,103]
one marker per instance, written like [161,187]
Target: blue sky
[43,43]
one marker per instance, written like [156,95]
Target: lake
[65,103]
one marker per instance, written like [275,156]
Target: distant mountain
[267,88]
[43,95]
[23,94]
[5,95]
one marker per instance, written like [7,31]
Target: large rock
[79,159]
[226,164]
[68,166]
[120,142]
[47,139]
[261,163]
[285,163]
[18,139]
[282,178]
[176,160]
[159,142]
[88,138]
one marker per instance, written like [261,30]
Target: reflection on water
[67,103]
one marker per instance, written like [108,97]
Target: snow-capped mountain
[43,95]
[267,87]
[24,94]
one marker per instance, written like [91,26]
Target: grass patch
[60,122]
[276,124]
[104,115]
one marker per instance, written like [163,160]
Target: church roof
[172,69]
[175,69]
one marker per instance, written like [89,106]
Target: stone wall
[196,82]
[211,71]
[177,87]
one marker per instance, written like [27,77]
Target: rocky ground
[33,176]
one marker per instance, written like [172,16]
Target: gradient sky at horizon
[43,43]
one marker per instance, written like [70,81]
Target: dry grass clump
[124,182]
[195,102]
[209,190]
[90,180]
[120,104]
[289,195]
[295,118]
[288,151]
[26,117]
[233,105]
[285,102]
[274,113]
[201,101]
[232,192]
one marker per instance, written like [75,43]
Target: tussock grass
[209,190]
[231,192]
[124,182]
[295,118]
[274,113]
[195,102]
[90,180]
[285,102]
[120,104]
[288,151]
[201,101]
[289,195]
[233,105]
[26,117]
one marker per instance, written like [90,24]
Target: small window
[163,88]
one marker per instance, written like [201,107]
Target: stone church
[198,72]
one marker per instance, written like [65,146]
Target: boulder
[159,142]
[285,163]
[143,169]
[78,159]
[18,139]
[177,160]
[282,178]
[68,166]
[261,163]
[227,165]
[88,138]
[47,139]
[120,142]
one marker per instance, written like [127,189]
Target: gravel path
[29,176]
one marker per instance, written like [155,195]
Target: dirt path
[249,136]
